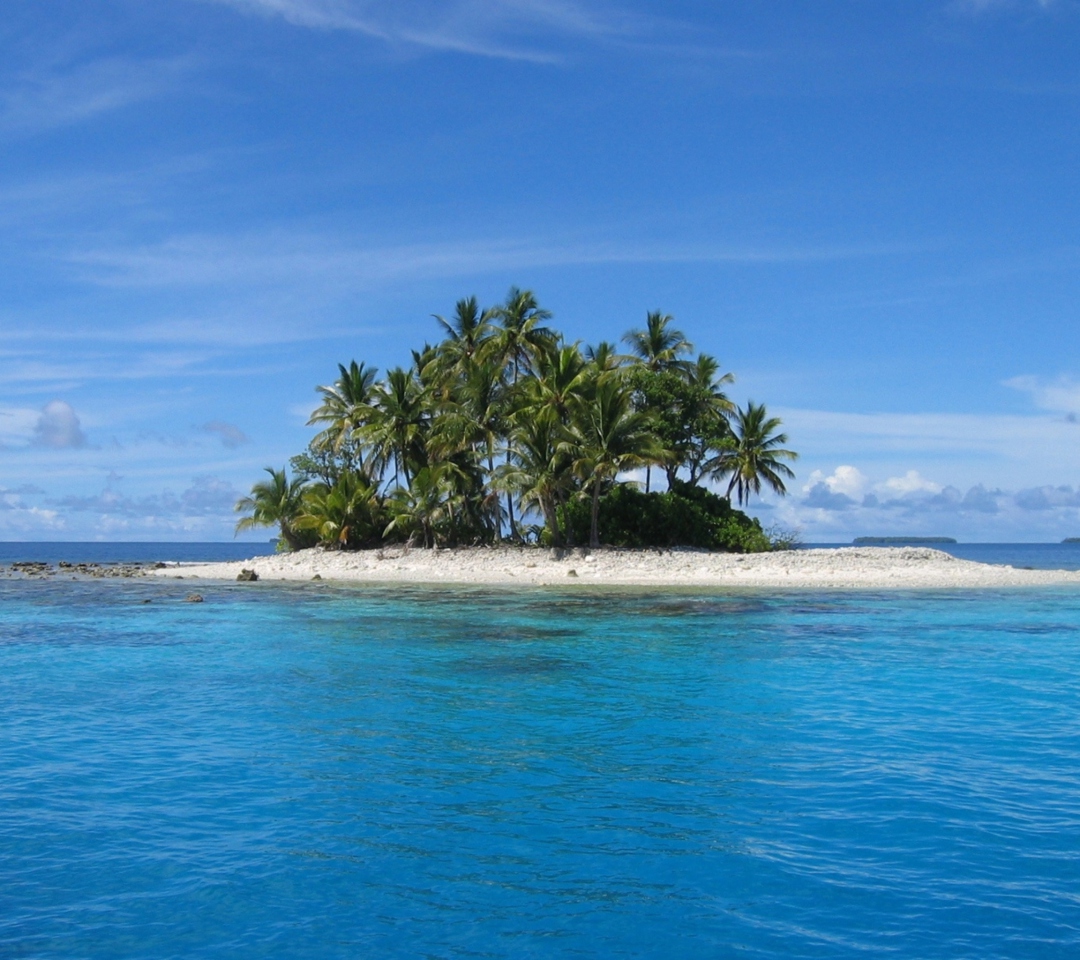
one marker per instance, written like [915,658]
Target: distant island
[903,541]
[1071,540]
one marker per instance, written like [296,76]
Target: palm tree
[421,506]
[604,357]
[756,454]
[539,467]
[711,410]
[561,377]
[518,341]
[466,331]
[520,336]
[704,372]
[610,438]
[398,427]
[345,407]
[278,500]
[474,421]
[343,515]
[659,345]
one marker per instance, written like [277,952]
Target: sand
[849,567]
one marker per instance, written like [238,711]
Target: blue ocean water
[137,552]
[313,771]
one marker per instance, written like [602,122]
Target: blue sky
[867,210]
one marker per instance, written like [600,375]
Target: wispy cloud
[1060,396]
[1036,439]
[59,96]
[343,263]
[509,29]
[985,6]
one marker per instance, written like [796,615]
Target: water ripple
[314,771]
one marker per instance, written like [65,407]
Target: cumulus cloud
[910,483]
[231,436]
[838,491]
[911,495]
[847,487]
[59,428]
[1047,498]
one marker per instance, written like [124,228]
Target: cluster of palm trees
[503,422]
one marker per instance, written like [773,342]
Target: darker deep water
[308,771]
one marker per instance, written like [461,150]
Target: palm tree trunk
[594,529]
[648,477]
[509,496]
[491,473]
[551,516]
[510,504]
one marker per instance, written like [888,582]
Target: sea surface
[137,552]
[310,771]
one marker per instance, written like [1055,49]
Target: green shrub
[685,516]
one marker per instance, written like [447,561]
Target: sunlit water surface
[317,772]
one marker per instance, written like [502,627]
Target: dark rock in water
[248,576]
[160,566]
[194,598]
[317,576]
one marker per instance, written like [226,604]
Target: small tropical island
[504,438]
[504,432]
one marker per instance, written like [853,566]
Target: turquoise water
[318,772]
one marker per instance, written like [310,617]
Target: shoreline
[843,568]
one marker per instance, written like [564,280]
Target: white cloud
[48,99]
[1019,448]
[846,503]
[1061,395]
[911,482]
[493,28]
[976,7]
[340,264]
[17,425]
[58,427]
[844,479]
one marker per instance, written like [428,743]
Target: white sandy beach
[852,567]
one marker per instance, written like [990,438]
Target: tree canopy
[504,430]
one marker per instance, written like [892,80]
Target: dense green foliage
[503,424]
[684,516]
